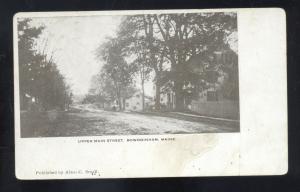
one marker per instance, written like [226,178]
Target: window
[137,96]
[137,103]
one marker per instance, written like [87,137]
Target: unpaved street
[86,120]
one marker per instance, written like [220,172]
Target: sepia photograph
[114,94]
[142,74]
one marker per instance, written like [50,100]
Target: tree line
[42,86]
[155,43]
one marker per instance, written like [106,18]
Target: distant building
[135,102]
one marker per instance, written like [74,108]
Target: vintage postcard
[156,93]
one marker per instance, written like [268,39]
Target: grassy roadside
[196,118]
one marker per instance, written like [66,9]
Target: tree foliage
[41,83]
[116,75]
[167,44]
[170,41]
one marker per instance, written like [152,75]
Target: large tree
[168,42]
[116,69]
[139,36]
[191,34]
[28,60]
[40,80]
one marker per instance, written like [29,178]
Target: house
[167,95]
[209,84]
[167,89]
[218,94]
[135,102]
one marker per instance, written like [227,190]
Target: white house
[167,95]
[209,79]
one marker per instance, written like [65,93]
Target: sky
[72,42]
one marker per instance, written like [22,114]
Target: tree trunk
[119,99]
[179,97]
[120,102]
[143,95]
[124,101]
[157,95]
